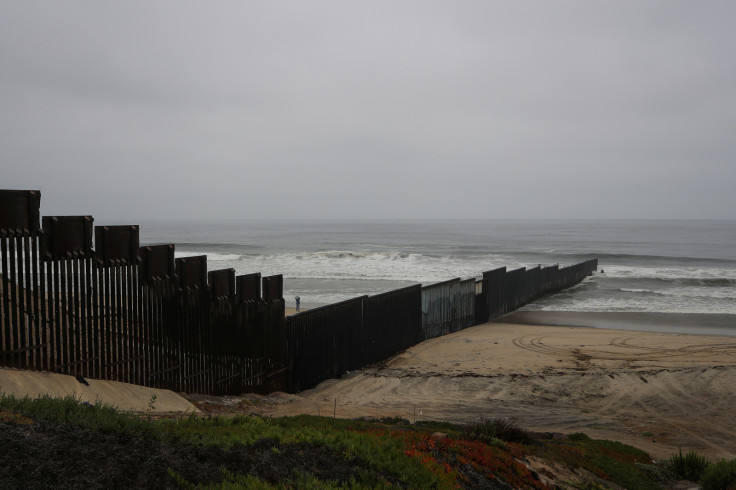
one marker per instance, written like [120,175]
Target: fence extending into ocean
[135,314]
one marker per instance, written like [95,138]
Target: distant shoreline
[678,323]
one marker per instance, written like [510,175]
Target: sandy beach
[657,391]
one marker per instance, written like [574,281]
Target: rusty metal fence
[453,305]
[123,312]
[448,306]
[131,314]
[504,291]
[329,341]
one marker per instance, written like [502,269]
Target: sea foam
[389,265]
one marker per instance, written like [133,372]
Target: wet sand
[687,323]
[654,390]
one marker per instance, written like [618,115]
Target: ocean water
[672,266]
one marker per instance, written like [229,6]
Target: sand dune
[657,391]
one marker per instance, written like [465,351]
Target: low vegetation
[719,476]
[689,466]
[697,468]
[492,431]
[619,463]
[64,443]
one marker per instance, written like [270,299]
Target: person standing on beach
[298,299]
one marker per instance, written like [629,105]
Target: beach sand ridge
[656,391]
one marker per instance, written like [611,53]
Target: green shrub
[504,429]
[579,436]
[689,466]
[719,476]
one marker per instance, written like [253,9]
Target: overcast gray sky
[142,110]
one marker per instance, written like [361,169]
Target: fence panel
[160,328]
[21,330]
[248,346]
[313,341]
[514,288]
[438,306]
[533,282]
[276,377]
[193,307]
[481,301]
[493,290]
[464,300]
[66,243]
[392,323]
[221,327]
[117,249]
[547,279]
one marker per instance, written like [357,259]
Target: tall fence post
[275,333]
[117,251]
[193,312]
[67,242]
[222,328]
[249,343]
[162,331]
[22,335]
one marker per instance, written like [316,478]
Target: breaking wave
[369,265]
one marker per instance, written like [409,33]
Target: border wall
[135,314]
[131,314]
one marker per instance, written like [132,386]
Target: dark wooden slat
[38,324]
[76,315]
[136,351]
[117,337]
[14,319]
[6,333]
[27,328]
[107,345]
[67,326]
[150,332]
[97,323]
[57,322]
[42,319]
[124,325]
[89,350]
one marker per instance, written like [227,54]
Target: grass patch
[68,440]
[492,430]
[689,466]
[609,460]
[64,442]
[71,410]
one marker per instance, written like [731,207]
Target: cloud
[375,110]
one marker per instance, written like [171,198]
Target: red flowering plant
[460,459]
